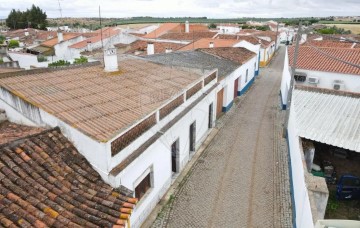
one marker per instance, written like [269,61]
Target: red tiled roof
[204,43]
[54,41]
[106,34]
[160,47]
[46,182]
[10,131]
[164,28]
[97,103]
[187,36]
[329,43]
[192,28]
[311,59]
[235,54]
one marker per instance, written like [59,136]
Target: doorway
[236,85]
[175,156]
[211,108]
[219,105]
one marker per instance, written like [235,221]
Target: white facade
[325,80]
[62,50]
[254,48]
[223,29]
[27,60]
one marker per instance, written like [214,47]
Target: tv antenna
[60,10]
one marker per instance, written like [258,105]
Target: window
[300,77]
[211,110]
[246,76]
[143,187]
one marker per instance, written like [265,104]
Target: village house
[317,67]
[236,69]
[228,28]
[143,47]
[127,120]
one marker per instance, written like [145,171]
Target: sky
[192,8]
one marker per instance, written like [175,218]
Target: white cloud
[175,8]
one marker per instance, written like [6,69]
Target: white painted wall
[326,79]
[301,196]
[27,60]
[62,50]
[228,29]
[250,47]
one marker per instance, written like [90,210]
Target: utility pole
[293,68]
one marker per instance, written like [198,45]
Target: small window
[143,187]
[246,76]
[300,77]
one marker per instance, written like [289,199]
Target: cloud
[176,8]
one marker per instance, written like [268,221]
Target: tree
[13,44]
[80,60]
[212,26]
[33,17]
[2,39]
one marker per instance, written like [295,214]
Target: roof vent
[150,49]
[110,59]
[338,85]
[211,44]
[313,80]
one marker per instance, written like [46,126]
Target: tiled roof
[196,60]
[164,28]
[11,131]
[9,69]
[237,54]
[106,34]
[160,47]
[192,28]
[187,36]
[328,117]
[101,104]
[204,43]
[310,58]
[249,38]
[45,182]
[330,43]
[54,41]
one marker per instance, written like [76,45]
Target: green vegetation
[13,44]
[333,30]
[80,60]
[2,39]
[1,60]
[212,26]
[262,28]
[34,18]
[41,58]
[59,63]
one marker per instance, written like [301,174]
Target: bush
[59,63]
[2,39]
[80,60]
[41,58]
[13,44]
[212,26]
[1,60]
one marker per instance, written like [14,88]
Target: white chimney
[168,50]
[110,59]
[150,49]
[26,33]
[187,27]
[211,44]
[89,46]
[60,36]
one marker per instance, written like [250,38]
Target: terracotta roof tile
[205,42]
[33,192]
[311,59]
[94,39]
[159,47]
[54,41]
[164,28]
[187,36]
[235,54]
[10,131]
[329,43]
[83,96]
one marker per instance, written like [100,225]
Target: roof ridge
[328,91]
[49,69]
[19,140]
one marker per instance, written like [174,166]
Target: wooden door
[219,105]
[236,85]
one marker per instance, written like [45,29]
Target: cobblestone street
[241,179]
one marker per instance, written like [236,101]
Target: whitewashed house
[317,67]
[127,120]
[228,29]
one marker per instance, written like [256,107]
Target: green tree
[13,44]
[33,17]
[59,63]
[212,26]
[81,60]
[2,39]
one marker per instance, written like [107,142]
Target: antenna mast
[60,10]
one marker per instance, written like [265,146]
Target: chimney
[60,36]
[211,44]
[110,59]
[187,27]
[168,50]
[150,48]
[89,46]
[26,33]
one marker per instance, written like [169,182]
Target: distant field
[134,26]
[355,28]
